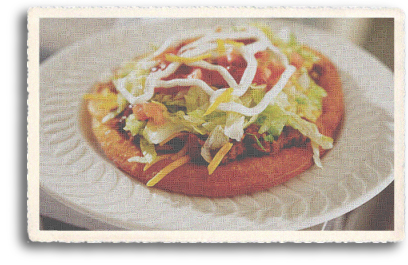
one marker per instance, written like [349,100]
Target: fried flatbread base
[244,176]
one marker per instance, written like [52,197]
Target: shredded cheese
[108,105]
[169,168]
[158,158]
[221,46]
[173,157]
[108,97]
[234,43]
[179,59]
[180,153]
[104,102]
[172,136]
[218,157]
[224,97]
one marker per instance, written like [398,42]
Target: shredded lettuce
[273,38]
[195,99]
[133,82]
[309,130]
[303,97]
[156,134]
[215,140]
[272,120]
[257,141]
[234,127]
[148,151]
[192,123]
[121,105]
[133,125]
[316,154]
[172,103]
[214,119]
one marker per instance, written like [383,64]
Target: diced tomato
[151,111]
[296,60]
[262,56]
[262,75]
[139,112]
[269,69]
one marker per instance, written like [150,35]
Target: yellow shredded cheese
[104,101]
[108,97]
[221,46]
[162,173]
[172,136]
[173,157]
[158,158]
[180,153]
[108,105]
[178,59]
[218,157]
[234,43]
[224,97]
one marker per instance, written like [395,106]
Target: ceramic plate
[74,171]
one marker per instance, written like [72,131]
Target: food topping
[219,95]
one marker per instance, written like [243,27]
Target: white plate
[74,171]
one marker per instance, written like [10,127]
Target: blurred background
[375,35]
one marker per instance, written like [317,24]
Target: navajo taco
[219,112]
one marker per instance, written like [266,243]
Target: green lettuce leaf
[309,130]
[133,125]
[195,99]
